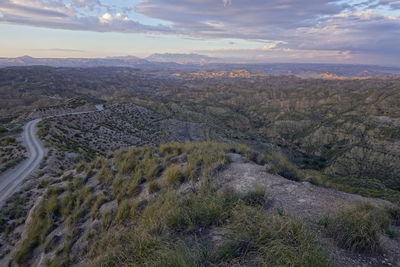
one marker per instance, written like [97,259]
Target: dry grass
[358,226]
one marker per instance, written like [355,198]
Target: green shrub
[8,141]
[357,227]
[391,233]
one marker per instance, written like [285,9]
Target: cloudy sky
[335,31]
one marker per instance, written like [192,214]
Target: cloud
[285,27]
[324,25]
[244,18]
[59,15]
[60,50]
[108,18]
[227,2]
[88,4]
[364,32]
[32,8]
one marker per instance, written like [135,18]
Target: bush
[8,141]
[357,227]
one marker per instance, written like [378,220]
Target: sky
[309,31]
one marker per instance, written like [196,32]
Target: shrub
[8,141]
[357,227]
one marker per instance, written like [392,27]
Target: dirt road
[12,179]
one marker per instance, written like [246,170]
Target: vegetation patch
[256,239]
[165,234]
[43,221]
[358,227]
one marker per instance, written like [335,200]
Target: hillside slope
[202,204]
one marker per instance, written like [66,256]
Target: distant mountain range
[195,62]
[123,61]
[186,58]
[128,61]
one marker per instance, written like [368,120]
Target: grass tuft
[358,226]
[256,239]
[255,197]
[174,175]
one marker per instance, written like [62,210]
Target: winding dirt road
[12,179]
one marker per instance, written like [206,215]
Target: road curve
[12,179]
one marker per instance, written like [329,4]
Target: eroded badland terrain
[200,168]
